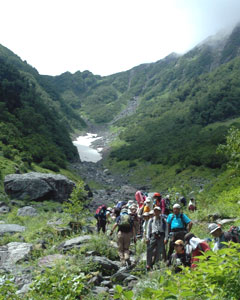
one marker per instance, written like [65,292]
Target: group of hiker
[161,226]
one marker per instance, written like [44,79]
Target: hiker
[180,257]
[157,197]
[147,206]
[120,204]
[101,217]
[219,236]
[129,203]
[178,225]
[151,214]
[139,198]
[124,222]
[183,201]
[145,224]
[195,247]
[192,205]
[156,238]
[167,209]
[136,220]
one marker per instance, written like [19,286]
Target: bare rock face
[12,253]
[38,186]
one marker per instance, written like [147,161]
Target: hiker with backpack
[156,238]
[219,236]
[178,225]
[180,257]
[157,197]
[192,205]
[136,220]
[101,217]
[124,223]
[167,202]
[195,247]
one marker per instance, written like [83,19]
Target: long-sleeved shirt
[157,225]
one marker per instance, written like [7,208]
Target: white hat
[151,212]
[148,200]
[146,214]
[176,205]
[213,227]
[167,197]
[157,207]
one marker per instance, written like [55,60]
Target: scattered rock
[49,260]
[4,209]
[12,253]
[74,243]
[24,289]
[121,275]
[106,265]
[11,228]
[107,283]
[27,211]
[100,290]
[38,186]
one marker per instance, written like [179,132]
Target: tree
[232,148]
[75,204]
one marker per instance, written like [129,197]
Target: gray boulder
[74,243]
[122,276]
[38,186]
[12,253]
[4,209]
[106,265]
[100,290]
[27,211]
[11,228]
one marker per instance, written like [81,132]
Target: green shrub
[215,278]
[8,288]
[58,283]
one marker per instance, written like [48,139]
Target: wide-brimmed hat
[176,205]
[179,242]
[157,208]
[213,227]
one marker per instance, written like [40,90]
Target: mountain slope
[31,127]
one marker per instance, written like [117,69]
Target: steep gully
[112,187]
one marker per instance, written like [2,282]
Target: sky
[108,36]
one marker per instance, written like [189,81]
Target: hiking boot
[148,268]
[128,263]
[123,263]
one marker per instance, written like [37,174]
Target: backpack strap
[150,227]
[182,219]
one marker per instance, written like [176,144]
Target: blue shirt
[177,221]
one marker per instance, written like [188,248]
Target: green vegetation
[215,278]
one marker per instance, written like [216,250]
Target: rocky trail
[114,187]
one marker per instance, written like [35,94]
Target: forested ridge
[186,105]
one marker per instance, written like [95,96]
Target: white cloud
[107,36]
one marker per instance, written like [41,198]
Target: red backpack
[99,210]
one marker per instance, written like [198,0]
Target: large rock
[106,265]
[38,186]
[12,253]
[11,228]
[74,243]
